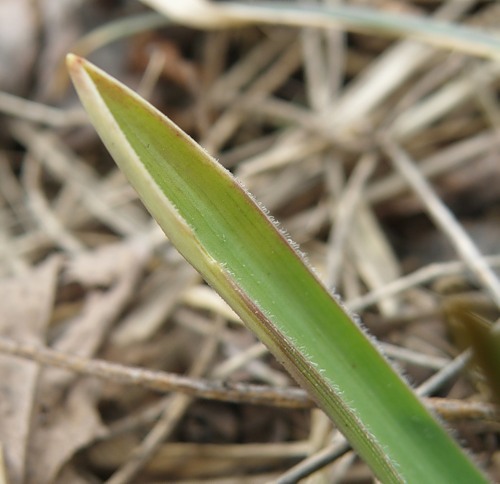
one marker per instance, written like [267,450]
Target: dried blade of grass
[206,14]
[159,381]
[203,458]
[206,298]
[323,59]
[401,353]
[11,215]
[71,170]
[294,145]
[344,214]
[43,214]
[237,361]
[441,102]
[354,106]
[163,382]
[228,122]
[231,82]
[383,76]
[420,276]
[119,267]
[104,35]
[373,255]
[27,304]
[151,312]
[256,369]
[443,218]
[450,157]
[315,462]
[436,381]
[40,113]
[118,29]
[174,410]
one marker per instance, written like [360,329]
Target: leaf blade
[224,234]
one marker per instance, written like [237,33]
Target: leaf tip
[80,71]
[73,61]
[76,66]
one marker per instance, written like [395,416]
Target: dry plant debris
[117,364]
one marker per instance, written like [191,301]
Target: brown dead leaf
[66,413]
[115,270]
[155,306]
[27,303]
[61,430]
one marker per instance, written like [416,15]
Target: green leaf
[238,249]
